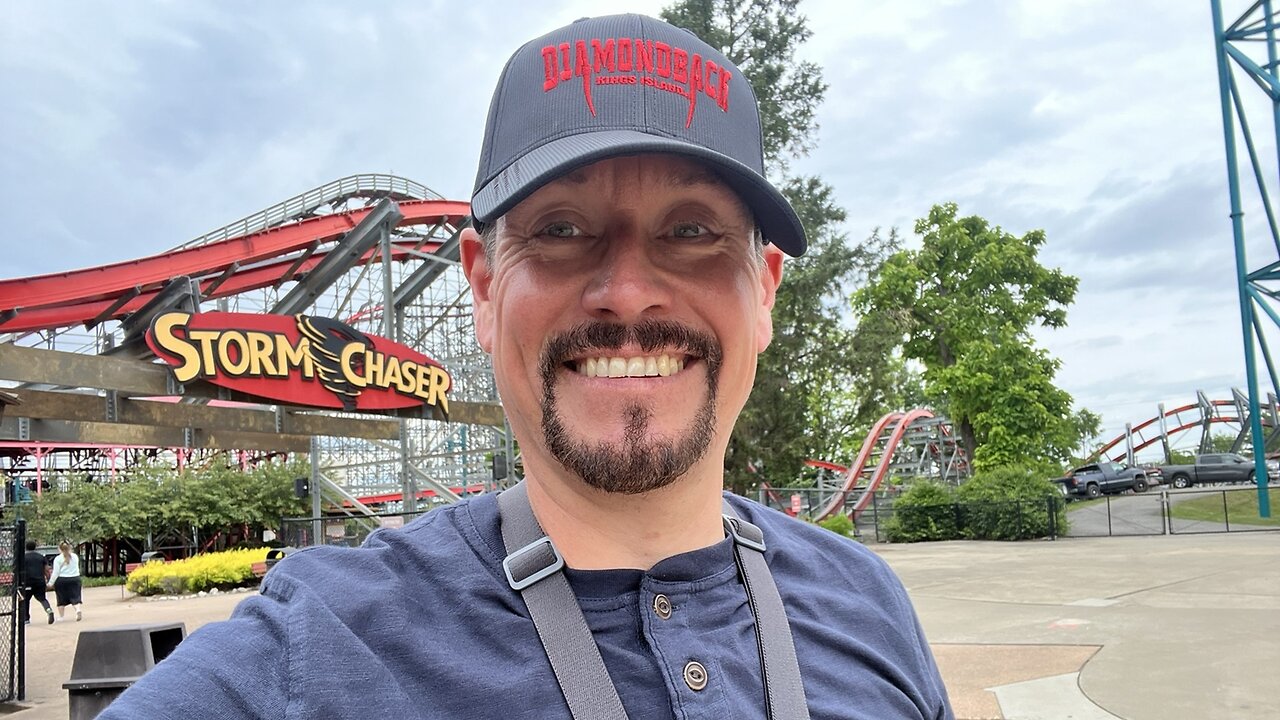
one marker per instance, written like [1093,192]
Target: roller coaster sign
[298,360]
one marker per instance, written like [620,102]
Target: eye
[689,230]
[561,230]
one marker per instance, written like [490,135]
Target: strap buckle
[532,563]
[744,533]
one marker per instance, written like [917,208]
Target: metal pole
[1226,514]
[1242,279]
[20,655]
[316,529]
[408,486]
[1164,436]
[388,291]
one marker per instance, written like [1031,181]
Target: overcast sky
[129,127]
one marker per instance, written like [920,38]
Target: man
[35,581]
[624,264]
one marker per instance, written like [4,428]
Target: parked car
[1212,468]
[1107,477]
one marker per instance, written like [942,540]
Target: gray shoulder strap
[533,568]
[783,690]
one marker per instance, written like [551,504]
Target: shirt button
[695,676]
[662,606]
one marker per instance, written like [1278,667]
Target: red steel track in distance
[82,296]
[1197,420]
[896,424]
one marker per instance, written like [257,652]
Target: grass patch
[1242,508]
[101,581]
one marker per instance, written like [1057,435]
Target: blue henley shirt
[420,623]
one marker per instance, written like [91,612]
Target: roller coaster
[900,445]
[378,252]
[918,444]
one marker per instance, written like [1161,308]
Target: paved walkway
[1141,628]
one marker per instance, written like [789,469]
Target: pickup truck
[1107,477]
[1211,468]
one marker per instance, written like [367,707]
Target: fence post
[1226,514]
[1165,514]
[1053,518]
[1109,531]
[1017,506]
[875,515]
[20,652]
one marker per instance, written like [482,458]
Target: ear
[475,265]
[770,279]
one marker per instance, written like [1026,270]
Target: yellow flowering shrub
[222,570]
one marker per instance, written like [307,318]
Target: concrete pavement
[1157,628]
[1142,628]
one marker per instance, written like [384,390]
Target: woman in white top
[66,580]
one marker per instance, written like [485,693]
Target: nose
[628,284]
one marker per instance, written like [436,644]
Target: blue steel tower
[1247,49]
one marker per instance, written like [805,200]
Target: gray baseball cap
[625,85]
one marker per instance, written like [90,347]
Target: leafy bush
[840,524]
[924,511]
[1003,503]
[1011,503]
[222,570]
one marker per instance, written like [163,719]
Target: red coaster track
[223,268]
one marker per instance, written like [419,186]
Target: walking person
[35,577]
[66,580]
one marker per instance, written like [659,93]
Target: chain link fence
[12,632]
[1158,511]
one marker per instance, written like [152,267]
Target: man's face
[624,307]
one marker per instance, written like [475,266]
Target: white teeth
[617,367]
[639,366]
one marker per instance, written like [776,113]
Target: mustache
[650,335]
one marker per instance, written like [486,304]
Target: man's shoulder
[428,552]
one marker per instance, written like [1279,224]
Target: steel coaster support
[1246,28]
[1128,444]
[427,272]
[1207,411]
[1164,435]
[361,239]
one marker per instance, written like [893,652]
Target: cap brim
[775,217]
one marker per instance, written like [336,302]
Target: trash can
[275,555]
[111,659]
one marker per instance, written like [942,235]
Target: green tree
[966,301]
[761,37]
[811,391]
[146,501]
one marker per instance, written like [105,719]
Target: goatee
[640,462]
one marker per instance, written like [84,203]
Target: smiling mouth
[663,365]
